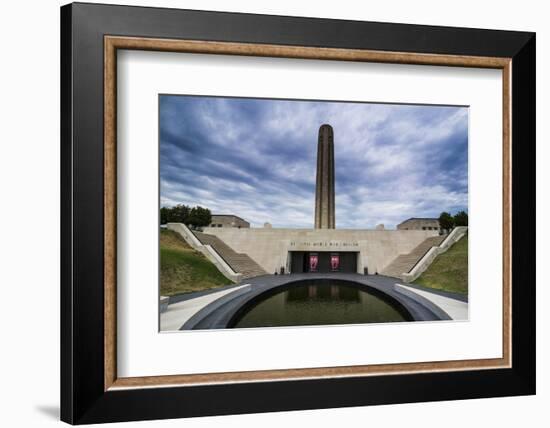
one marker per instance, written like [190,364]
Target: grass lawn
[183,269]
[449,271]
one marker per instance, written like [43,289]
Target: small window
[423,227]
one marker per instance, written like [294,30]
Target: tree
[195,217]
[179,214]
[164,215]
[446,221]
[199,217]
[461,218]
[176,214]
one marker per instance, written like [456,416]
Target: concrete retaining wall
[269,247]
[456,234]
[207,250]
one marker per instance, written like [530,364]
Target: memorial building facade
[323,248]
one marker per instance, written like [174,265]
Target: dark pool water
[320,302]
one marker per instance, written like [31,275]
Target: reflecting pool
[320,302]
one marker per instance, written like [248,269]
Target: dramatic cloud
[257,158]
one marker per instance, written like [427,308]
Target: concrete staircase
[405,262]
[239,262]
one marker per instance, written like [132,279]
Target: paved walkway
[456,309]
[180,312]
[216,309]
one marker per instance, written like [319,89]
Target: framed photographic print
[265,213]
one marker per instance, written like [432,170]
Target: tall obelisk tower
[324,190]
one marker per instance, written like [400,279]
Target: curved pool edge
[220,313]
[323,309]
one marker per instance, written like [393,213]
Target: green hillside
[449,271]
[183,269]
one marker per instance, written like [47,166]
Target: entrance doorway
[323,262]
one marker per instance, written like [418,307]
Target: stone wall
[419,224]
[224,220]
[269,247]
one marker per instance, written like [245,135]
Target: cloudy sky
[256,158]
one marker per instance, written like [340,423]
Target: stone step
[240,262]
[405,262]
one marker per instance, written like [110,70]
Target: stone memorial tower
[324,190]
